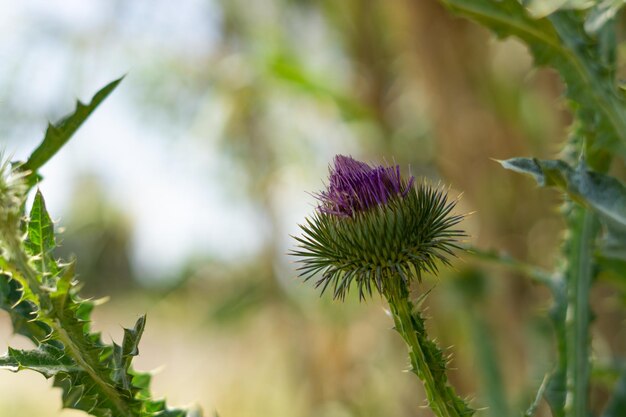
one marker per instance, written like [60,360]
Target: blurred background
[179,195]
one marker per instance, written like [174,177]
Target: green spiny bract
[384,246]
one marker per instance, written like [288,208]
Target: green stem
[578,313]
[486,360]
[533,272]
[426,359]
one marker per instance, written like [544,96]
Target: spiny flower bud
[12,194]
[377,229]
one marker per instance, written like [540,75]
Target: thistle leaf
[123,355]
[602,13]
[94,376]
[22,311]
[40,240]
[48,360]
[60,132]
[601,193]
[543,8]
[586,63]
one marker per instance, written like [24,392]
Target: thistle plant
[40,293]
[377,231]
[581,41]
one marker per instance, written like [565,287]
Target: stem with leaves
[42,299]
[579,41]
[72,341]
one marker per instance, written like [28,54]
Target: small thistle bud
[12,194]
[377,229]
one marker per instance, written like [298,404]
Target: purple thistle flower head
[355,186]
[376,229]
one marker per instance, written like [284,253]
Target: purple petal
[356,186]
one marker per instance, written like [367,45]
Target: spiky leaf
[40,240]
[60,132]
[22,311]
[48,360]
[602,193]
[42,299]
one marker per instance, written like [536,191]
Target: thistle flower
[377,229]
[382,231]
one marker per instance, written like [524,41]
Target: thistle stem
[426,360]
[578,313]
